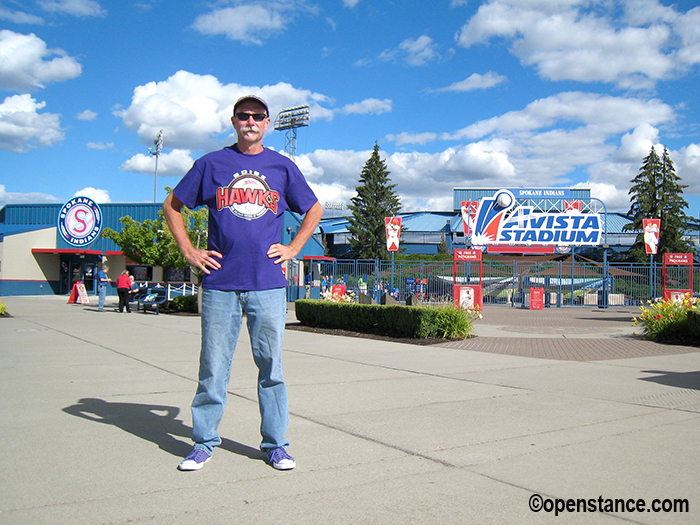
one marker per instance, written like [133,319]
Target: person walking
[124,291]
[102,281]
[247,189]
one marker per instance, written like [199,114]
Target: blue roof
[436,222]
[15,229]
[415,222]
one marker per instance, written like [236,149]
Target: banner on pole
[469,216]
[393,233]
[652,227]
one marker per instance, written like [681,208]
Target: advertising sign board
[80,222]
[500,220]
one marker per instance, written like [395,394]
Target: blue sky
[497,93]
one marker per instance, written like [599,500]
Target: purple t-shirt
[247,196]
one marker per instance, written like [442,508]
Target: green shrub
[3,310]
[693,324]
[396,321]
[184,303]
[668,320]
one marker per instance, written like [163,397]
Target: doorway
[76,268]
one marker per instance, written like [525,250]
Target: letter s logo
[79,217]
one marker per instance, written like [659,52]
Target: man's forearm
[173,216]
[307,228]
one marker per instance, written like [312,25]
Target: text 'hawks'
[227,197]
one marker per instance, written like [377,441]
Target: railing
[564,284]
[173,289]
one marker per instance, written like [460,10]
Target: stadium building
[36,256]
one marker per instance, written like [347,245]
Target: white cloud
[250,24]
[7,197]
[687,164]
[99,196]
[423,179]
[174,163]
[474,82]
[686,27]
[350,3]
[412,138]
[637,144]
[79,8]
[368,106]
[24,62]
[194,111]
[603,113]
[414,52]
[556,141]
[22,127]
[19,17]
[580,40]
[100,145]
[86,115]
[616,199]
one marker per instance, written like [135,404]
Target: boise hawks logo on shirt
[248,196]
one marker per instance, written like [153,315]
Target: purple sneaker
[280,460]
[194,460]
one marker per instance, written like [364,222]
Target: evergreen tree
[657,193]
[375,200]
[442,247]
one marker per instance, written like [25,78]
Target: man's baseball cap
[251,97]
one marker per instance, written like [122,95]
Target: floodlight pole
[156,152]
[289,120]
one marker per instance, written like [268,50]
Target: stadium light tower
[289,120]
[156,152]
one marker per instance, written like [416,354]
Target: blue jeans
[221,324]
[101,292]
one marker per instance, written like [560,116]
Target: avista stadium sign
[499,220]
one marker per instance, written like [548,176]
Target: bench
[153,297]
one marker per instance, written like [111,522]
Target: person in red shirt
[123,290]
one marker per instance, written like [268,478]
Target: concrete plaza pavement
[564,403]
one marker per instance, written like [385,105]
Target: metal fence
[564,283]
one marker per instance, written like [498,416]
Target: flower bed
[668,320]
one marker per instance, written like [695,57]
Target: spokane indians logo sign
[80,221]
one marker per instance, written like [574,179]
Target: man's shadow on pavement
[689,380]
[154,423]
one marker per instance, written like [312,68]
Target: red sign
[572,206]
[467,255]
[339,289]
[652,227]
[393,233]
[78,294]
[536,298]
[469,297]
[678,259]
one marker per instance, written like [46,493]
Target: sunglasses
[257,117]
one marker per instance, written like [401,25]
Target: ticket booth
[677,276]
[468,294]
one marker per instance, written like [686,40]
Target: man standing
[247,188]
[102,281]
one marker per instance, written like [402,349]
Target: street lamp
[156,153]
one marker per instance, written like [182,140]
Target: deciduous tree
[150,241]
